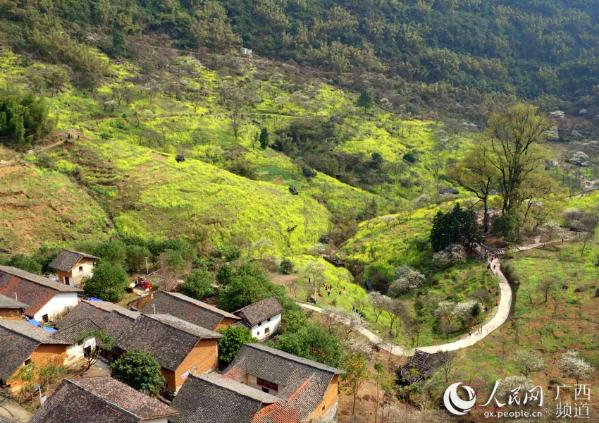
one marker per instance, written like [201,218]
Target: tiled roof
[35,290]
[111,318]
[258,312]
[301,382]
[216,399]
[187,308]
[7,302]
[37,279]
[67,259]
[18,340]
[72,333]
[100,399]
[168,338]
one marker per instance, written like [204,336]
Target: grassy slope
[44,207]
[543,327]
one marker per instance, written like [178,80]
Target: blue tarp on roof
[40,325]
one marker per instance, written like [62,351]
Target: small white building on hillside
[47,300]
[263,318]
[73,267]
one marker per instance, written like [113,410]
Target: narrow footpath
[501,315]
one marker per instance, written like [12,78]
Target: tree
[384,380]
[356,372]
[286,267]
[139,370]
[312,342]
[230,344]
[549,284]
[366,99]
[514,136]
[264,138]
[136,256]
[198,284]
[475,174]
[528,362]
[248,284]
[24,118]
[407,280]
[574,366]
[458,226]
[108,282]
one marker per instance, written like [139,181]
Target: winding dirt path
[501,315]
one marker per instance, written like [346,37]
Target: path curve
[500,317]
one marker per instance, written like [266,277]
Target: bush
[136,257]
[139,370]
[312,342]
[230,344]
[108,282]
[459,226]
[407,280]
[378,277]
[198,284]
[23,117]
[505,226]
[286,267]
[450,256]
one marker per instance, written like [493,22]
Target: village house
[81,339]
[111,318]
[309,389]
[213,398]
[263,318]
[179,347]
[23,343]
[191,310]
[47,300]
[11,308]
[103,399]
[73,267]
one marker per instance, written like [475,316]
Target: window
[45,318]
[26,362]
[266,384]
[81,268]
[265,390]
[268,320]
[267,331]
[257,333]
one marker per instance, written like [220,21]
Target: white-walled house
[263,318]
[47,300]
[81,339]
[73,267]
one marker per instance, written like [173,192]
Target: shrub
[286,267]
[108,282]
[230,344]
[312,342]
[198,284]
[139,370]
[23,117]
[506,226]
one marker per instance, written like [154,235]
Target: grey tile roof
[300,381]
[259,311]
[216,399]
[35,290]
[7,302]
[111,318]
[18,340]
[100,400]
[187,308]
[72,333]
[37,279]
[66,259]
[168,338]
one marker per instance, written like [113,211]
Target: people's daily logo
[454,403]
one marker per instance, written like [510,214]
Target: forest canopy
[528,48]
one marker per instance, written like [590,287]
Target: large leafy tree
[108,282]
[23,117]
[233,338]
[139,370]
[312,342]
[198,284]
[514,139]
[457,226]
[476,174]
